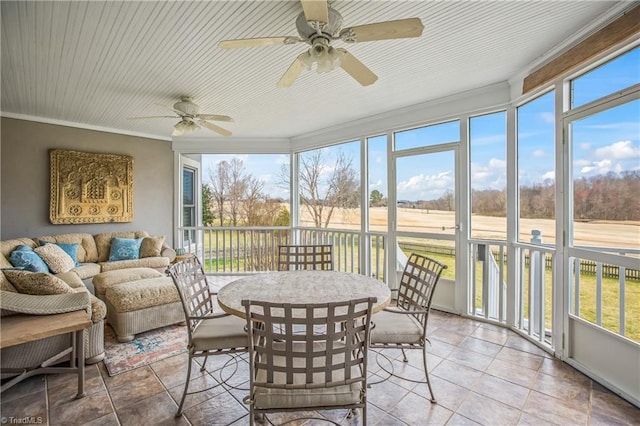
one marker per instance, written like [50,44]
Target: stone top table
[302,287]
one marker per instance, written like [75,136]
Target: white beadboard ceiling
[98,62]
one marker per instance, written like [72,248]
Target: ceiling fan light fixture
[184,126]
[326,58]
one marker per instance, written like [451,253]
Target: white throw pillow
[56,259]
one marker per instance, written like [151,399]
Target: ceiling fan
[318,25]
[190,118]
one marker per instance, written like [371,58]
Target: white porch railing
[244,250]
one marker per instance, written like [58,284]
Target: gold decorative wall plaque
[90,188]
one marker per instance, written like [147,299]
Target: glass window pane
[246,190]
[536,168]
[377,147]
[488,143]
[426,193]
[188,193]
[606,178]
[329,185]
[608,78]
[427,136]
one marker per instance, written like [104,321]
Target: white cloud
[282,159]
[425,187]
[538,153]
[585,146]
[551,175]
[621,150]
[548,117]
[597,167]
[376,184]
[496,163]
[582,163]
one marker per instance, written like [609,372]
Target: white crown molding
[602,21]
[231,145]
[81,126]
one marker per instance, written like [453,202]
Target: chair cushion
[395,328]
[220,333]
[266,398]
[56,258]
[24,257]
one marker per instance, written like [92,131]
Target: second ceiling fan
[318,25]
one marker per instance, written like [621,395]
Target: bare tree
[219,181]
[325,184]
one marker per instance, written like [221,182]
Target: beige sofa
[93,255]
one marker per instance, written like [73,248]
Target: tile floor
[481,374]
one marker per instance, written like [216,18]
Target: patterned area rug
[145,349]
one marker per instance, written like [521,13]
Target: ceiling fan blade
[151,116]
[257,42]
[403,28]
[215,117]
[213,127]
[316,10]
[294,70]
[357,69]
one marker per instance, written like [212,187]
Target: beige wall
[24,178]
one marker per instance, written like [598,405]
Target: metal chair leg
[426,374]
[204,363]
[186,387]
[404,356]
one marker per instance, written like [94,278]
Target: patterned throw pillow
[125,249]
[70,249]
[151,247]
[55,258]
[24,257]
[37,283]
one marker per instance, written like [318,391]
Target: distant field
[596,233]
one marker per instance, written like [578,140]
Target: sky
[604,142]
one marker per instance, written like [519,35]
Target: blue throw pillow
[24,257]
[70,249]
[125,248]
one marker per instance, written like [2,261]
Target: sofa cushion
[87,270]
[5,284]
[147,262]
[103,242]
[124,249]
[87,251]
[141,294]
[8,246]
[56,258]
[151,247]
[105,280]
[72,279]
[37,283]
[25,257]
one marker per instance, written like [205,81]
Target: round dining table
[302,287]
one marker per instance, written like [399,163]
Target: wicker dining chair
[305,257]
[405,326]
[210,332]
[292,370]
